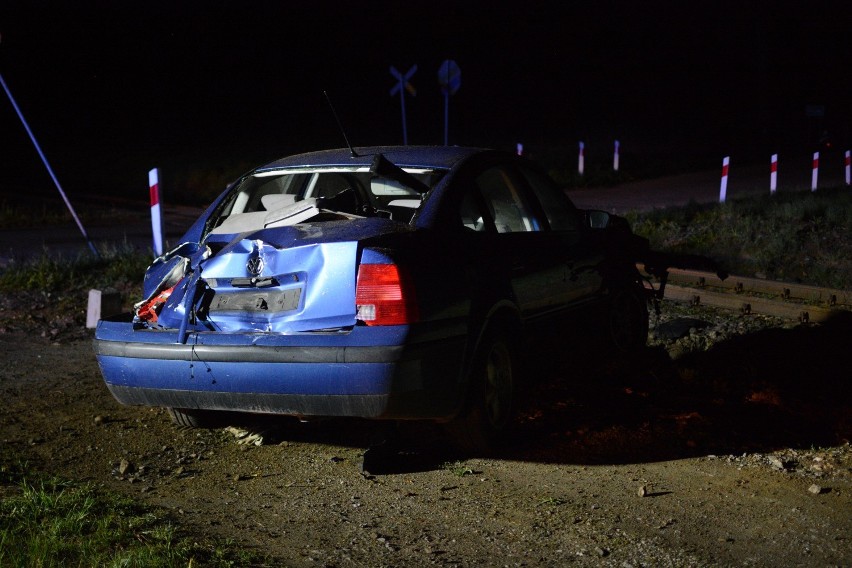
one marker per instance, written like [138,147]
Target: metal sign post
[400,87]
[449,78]
[49,169]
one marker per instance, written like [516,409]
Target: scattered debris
[246,437]
[819,463]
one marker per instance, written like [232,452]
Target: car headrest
[274,201]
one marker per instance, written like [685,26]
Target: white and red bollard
[723,188]
[156,217]
[581,159]
[615,157]
[773,174]
[847,161]
[815,172]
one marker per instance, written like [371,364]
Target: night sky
[222,85]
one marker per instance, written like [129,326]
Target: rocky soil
[725,443]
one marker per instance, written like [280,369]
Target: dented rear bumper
[362,372]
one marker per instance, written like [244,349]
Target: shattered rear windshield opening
[285,197]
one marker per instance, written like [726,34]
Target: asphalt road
[704,187]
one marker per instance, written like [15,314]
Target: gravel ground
[725,443]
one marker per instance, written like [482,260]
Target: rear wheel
[194,418]
[627,319]
[489,411]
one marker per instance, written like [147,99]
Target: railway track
[753,295]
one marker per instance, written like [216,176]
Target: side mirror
[597,219]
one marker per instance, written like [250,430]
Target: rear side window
[471,213]
[560,213]
[506,202]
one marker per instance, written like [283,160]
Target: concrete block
[102,303]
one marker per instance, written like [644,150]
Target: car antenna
[340,125]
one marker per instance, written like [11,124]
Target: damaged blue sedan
[384,282]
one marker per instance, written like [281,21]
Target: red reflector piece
[383,296]
[150,310]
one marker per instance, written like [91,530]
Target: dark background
[205,90]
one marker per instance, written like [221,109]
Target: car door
[582,259]
[521,241]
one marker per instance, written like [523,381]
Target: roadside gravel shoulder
[724,444]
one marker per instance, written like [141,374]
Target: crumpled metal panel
[324,275]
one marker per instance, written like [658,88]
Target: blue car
[400,283]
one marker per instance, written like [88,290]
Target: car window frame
[522,197]
[570,208]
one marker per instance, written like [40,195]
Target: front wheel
[482,425]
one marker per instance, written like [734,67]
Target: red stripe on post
[155,194]
[725,171]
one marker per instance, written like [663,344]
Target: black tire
[194,418]
[627,319]
[488,414]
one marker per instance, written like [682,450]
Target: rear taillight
[383,296]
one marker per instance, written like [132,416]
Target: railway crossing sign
[402,86]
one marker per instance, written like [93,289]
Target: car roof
[440,157]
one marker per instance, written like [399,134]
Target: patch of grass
[458,469]
[14,216]
[552,502]
[24,213]
[49,522]
[797,237]
[117,266]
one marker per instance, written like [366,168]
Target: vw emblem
[255,266]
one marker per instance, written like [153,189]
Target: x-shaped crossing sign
[402,81]
[402,85]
